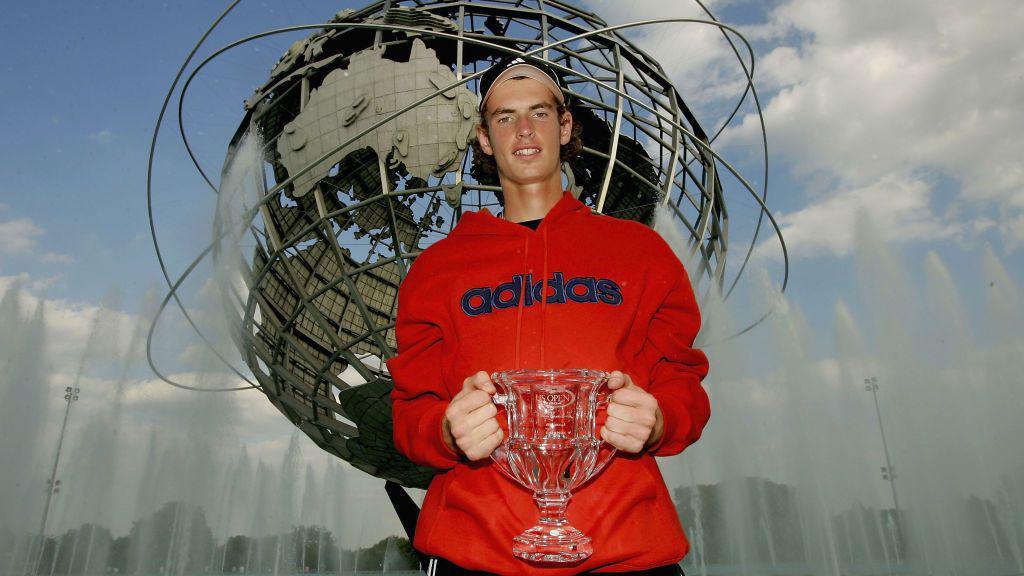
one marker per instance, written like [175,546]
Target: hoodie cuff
[438,454]
[676,426]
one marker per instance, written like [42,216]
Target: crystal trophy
[551,448]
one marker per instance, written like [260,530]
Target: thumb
[617,380]
[479,381]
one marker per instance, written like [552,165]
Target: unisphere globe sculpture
[357,154]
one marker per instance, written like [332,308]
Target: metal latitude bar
[389,200]
[613,151]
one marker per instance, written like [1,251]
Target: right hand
[469,425]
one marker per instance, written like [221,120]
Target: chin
[532,173]
[530,178]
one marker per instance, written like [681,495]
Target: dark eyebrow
[536,106]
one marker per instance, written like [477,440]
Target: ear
[565,128]
[484,139]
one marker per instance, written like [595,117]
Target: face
[524,133]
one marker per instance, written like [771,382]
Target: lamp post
[52,483]
[888,471]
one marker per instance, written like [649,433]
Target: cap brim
[524,71]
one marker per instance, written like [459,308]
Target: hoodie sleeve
[676,368]
[419,397]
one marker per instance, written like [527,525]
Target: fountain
[786,479]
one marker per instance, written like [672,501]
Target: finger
[479,381]
[468,385]
[477,435]
[634,397]
[642,416]
[494,440]
[485,447]
[621,441]
[486,429]
[482,381]
[463,428]
[462,406]
[475,399]
[463,418]
[482,414]
[616,380]
[620,411]
[628,382]
[630,429]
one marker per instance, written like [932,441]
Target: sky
[907,113]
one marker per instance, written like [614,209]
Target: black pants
[442,567]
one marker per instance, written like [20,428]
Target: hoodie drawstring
[522,298]
[543,296]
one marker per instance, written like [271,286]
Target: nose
[524,127]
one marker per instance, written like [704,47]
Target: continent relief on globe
[430,139]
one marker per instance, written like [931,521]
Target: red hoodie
[615,298]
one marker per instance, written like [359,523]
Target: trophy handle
[606,451]
[500,454]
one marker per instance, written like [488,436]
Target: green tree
[314,549]
[234,554]
[402,557]
[117,560]
[174,540]
[77,551]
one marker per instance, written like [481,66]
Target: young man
[547,284]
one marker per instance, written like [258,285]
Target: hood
[483,223]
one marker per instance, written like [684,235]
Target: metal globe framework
[363,137]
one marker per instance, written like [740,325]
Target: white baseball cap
[517,67]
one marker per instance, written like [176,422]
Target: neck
[531,201]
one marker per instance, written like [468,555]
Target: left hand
[634,419]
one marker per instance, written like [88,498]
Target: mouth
[526,152]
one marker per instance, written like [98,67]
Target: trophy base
[552,544]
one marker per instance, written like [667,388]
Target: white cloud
[45,283]
[695,55]
[55,258]
[68,324]
[899,206]
[618,12]
[1012,229]
[26,281]
[881,92]
[104,136]
[18,236]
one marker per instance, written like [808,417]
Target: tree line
[176,539]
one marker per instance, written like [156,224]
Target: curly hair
[485,170]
